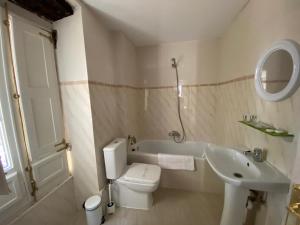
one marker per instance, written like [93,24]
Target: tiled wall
[236,99]
[105,110]
[197,71]
[158,113]
[114,115]
[79,127]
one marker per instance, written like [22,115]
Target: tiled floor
[170,207]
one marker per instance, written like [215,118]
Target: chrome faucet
[174,133]
[248,153]
[131,140]
[258,154]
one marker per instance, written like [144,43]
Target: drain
[238,175]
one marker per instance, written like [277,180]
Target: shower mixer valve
[174,133]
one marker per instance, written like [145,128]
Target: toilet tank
[115,158]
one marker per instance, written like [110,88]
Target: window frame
[5,144]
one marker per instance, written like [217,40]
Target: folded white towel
[176,162]
[4,190]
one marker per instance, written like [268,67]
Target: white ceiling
[148,22]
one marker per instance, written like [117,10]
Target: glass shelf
[264,129]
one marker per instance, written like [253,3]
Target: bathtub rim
[138,152]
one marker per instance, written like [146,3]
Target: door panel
[16,194]
[52,169]
[36,68]
[34,62]
[42,110]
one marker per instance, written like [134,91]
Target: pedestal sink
[241,174]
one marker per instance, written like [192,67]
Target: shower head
[174,64]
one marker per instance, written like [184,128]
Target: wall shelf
[264,129]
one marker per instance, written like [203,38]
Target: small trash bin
[93,210]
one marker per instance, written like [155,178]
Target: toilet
[134,184]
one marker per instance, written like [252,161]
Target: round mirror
[277,72]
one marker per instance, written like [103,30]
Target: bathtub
[203,179]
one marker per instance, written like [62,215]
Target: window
[4,149]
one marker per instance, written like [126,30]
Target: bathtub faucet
[131,140]
[174,134]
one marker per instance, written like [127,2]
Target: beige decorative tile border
[247,77]
[75,82]
[113,85]
[81,82]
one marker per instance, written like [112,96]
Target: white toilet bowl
[135,187]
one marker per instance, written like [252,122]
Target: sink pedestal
[234,210]
[240,174]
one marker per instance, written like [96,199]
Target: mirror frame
[294,50]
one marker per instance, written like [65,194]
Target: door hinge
[33,184]
[16,96]
[34,187]
[52,37]
[6,22]
[63,142]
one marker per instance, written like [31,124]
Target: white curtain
[4,190]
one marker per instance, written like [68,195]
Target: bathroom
[113,79]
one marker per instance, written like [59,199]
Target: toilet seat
[141,177]
[143,173]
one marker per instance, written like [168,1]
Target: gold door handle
[63,142]
[296,187]
[294,208]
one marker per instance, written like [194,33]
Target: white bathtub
[203,179]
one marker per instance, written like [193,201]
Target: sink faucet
[258,154]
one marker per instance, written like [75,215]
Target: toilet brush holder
[110,208]
[111,205]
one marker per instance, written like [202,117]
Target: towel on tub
[176,162]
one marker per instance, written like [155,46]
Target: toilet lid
[143,173]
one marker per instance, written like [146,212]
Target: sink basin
[233,167]
[242,174]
